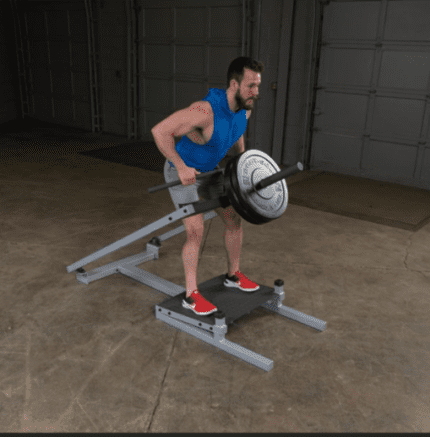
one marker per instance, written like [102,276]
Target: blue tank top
[229,126]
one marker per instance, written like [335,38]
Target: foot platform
[232,304]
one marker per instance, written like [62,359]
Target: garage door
[371,115]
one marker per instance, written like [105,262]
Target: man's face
[249,89]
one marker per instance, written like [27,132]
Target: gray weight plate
[270,202]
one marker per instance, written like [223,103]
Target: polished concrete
[94,359]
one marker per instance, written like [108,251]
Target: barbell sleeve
[174,183]
[286,172]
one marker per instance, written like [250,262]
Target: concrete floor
[94,359]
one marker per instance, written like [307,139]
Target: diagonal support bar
[185,211]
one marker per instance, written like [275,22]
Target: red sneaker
[197,303]
[240,281]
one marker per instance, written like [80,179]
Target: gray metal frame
[212,334]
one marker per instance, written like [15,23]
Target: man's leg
[233,237]
[194,226]
[190,252]
[233,244]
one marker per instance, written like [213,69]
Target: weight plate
[239,205]
[270,202]
[230,190]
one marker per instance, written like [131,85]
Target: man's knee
[236,224]
[194,227]
[231,218]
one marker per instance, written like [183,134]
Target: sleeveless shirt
[229,126]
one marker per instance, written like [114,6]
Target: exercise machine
[254,186]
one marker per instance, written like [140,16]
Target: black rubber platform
[234,303]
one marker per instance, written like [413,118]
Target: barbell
[254,185]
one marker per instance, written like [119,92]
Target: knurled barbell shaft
[286,172]
[289,171]
[174,183]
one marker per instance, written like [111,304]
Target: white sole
[185,305]
[246,291]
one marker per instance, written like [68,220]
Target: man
[209,129]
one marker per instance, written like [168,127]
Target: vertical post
[279,290]
[90,62]
[128,81]
[218,327]
[276,303]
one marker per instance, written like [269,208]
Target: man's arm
[237,148]
[240,145]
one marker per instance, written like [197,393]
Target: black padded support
[208,205]
[233,302]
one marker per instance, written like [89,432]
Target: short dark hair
[236,69]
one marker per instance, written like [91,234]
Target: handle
[172,184]
[278,176]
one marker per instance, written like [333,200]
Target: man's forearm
[240,148]
[235,150]
[240,144]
